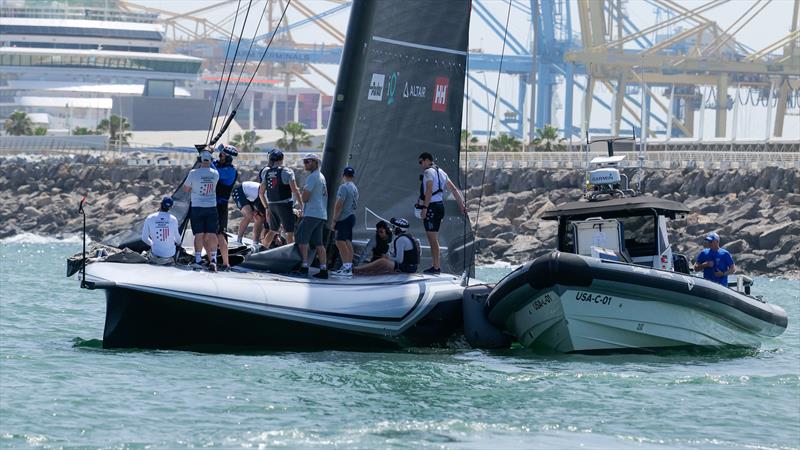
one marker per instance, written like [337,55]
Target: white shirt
[250,189]
[160,232]
[401,244]
[439,183]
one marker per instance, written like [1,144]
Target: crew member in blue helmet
[277,192]
[715,262]
[227,179]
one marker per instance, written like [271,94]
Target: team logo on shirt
[162,231]
[440,94]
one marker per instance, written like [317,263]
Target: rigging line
[269,43]
[230,71]
[491,126]
[466,167]
[244,63]
[211,123]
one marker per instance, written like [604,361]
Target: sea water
[60,389]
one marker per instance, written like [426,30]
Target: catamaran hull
[569,303]
[138,320]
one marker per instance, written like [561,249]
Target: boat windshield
[639,233]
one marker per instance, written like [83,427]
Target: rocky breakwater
[757,213]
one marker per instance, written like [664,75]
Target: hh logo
[440,94]
[376,87]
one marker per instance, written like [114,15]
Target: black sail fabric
[405,98]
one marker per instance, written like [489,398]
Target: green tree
[294,137]
[40,131]
[467,138]
[81,131]
[547,139]
[19,124]
[117,129]
[246,142]
[506,143]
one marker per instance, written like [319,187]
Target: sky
[769,25]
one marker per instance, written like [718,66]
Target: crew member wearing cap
[344,217]
[278,187]
[433,182]
[202,183]
[315,215]
[227,179]
[403,254]
[715,262]
[160,232]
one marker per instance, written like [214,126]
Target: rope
[211,122]
[244,64]
[491,126]
[275,31]
[466,168]
[230,71]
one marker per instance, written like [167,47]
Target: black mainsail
[400,93]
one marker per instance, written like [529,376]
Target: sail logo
[391,88]
[414,90]
[376,87]
[440,94]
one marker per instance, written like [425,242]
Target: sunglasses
[307,161]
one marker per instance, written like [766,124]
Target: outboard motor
[477,329]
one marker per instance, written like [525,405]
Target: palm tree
[40,131]
[19,124]
[294,137]
[82,131]
[246,141]
[548,139]
[506,143]
[467,138]
[117,128]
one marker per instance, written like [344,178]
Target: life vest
[277,190]
[409,256]
[422,183]
[223,190]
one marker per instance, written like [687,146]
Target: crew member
[160,232]
[315,215]
[227,179]
[403,255]
[276,190]
[715,262]
[344,215]
[202,183]
[246,197]
[431,203]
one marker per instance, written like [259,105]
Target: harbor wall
[756,212]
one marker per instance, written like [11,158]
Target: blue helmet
[230,151]
[399,223]
[275,155]
[167,202]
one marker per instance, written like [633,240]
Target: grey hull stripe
[413,45]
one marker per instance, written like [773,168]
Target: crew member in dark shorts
[344,215]
[315,215]
[246,197]
[276,191]
[403,254]
[431,204]
[227,179]
[202,183]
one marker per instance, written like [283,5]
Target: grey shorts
[309,232]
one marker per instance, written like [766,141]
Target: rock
[30,213]
[128,203]
[737,247]
[770,237]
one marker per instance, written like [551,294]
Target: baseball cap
[712,237]
[399,222]
[349,172]
[167,202]
[205,155]
[311,156]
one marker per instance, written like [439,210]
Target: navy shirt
[722,262]
[227,176]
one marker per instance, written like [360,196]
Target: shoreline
[757,212]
